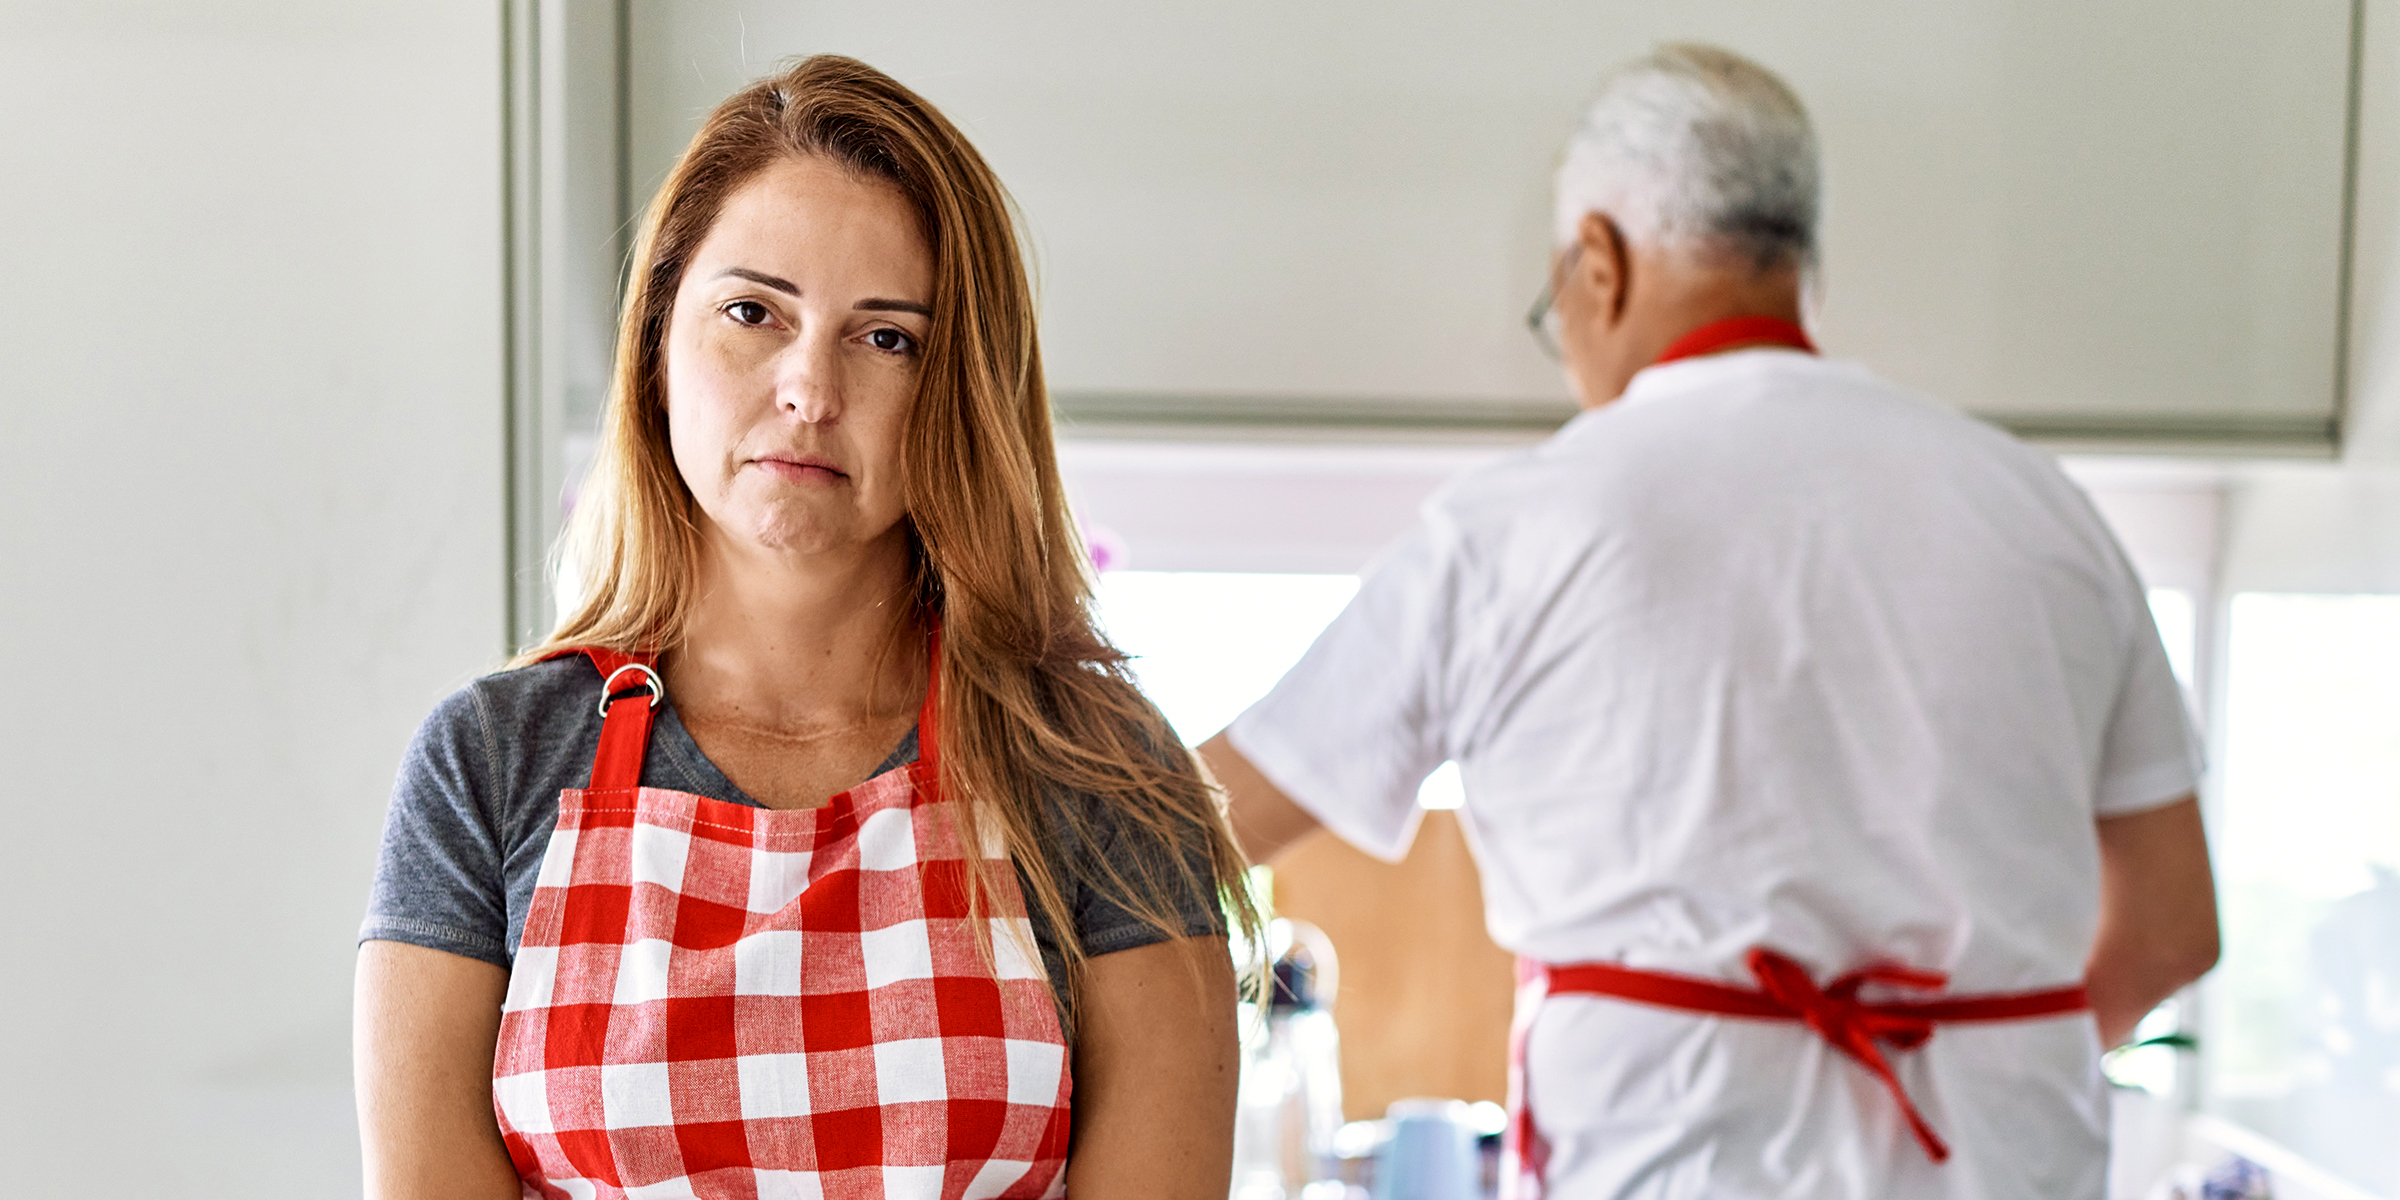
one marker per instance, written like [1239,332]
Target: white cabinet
[2118,223]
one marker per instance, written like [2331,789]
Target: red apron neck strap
[1737,331]
[929,717]
[630,692]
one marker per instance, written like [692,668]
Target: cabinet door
[2118,222]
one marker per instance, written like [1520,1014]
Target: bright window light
[1443,788]
[1205,645]
[2303,1016]
[2178,628]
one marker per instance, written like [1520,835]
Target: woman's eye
[749,312]
[891,341]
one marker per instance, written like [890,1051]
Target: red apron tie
[1835,1014]
[1785,992]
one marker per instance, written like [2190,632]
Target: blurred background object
[1291,1090]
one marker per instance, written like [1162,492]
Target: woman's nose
[808,383]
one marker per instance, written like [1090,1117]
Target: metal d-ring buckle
[658,687]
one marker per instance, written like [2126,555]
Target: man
[1821,757]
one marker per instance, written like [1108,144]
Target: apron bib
[714,1000]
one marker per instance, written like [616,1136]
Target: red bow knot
[1786,993]
[1854,1027]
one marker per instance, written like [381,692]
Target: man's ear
[1606,263]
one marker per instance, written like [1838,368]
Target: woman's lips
[801,470]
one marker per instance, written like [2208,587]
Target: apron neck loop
[1737,331]
[630,694]
[625,727]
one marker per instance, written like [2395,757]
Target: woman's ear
[1606,263]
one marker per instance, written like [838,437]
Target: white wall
[1297,508]
[250,530]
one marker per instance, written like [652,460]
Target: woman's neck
[796,641]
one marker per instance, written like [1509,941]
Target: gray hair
[1693,146]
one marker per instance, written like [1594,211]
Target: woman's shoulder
[1130,857]
[473,803]
[1139,742]
[499,723]
[516,697]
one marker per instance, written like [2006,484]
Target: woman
[836,629]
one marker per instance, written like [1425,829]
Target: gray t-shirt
[477,798]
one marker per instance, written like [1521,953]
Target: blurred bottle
[1291,1089]
[1431,1152]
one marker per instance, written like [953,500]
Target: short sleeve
[439,881]
[2150,755]
[1180,877]
[1353,729]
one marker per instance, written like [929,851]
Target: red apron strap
[2009,1006]
[1525,1153]
[1737,331]
[630,692]
[928,717]
[1686,992]
[1833,1012]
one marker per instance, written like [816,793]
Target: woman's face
[792,357]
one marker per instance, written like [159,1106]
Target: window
[2302,1019]
[2178,624]
[1205,644]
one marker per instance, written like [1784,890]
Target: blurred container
[1431,1153]
[1291,1088]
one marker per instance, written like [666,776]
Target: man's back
[1765,653]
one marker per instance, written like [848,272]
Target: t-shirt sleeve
[2150,755]
[438,877]
[1146,859]
[1353,729]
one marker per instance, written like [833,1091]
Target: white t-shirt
[1766,652]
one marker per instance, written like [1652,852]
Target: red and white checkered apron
[714,1000]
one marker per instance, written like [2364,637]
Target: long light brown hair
[1040,726]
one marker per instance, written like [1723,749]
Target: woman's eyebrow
[789,288]
[785,286]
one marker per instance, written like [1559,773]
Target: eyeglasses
[1543,318]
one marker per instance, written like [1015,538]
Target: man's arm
[1265,821]
[2158,914]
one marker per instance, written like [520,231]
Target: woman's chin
[810,535]
[806,541]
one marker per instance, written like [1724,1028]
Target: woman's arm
[423,1030]
[1156,1063]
